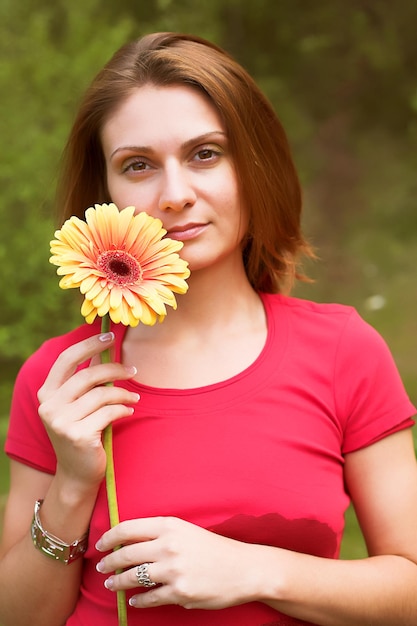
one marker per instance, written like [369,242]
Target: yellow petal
[94,291]
[101,297]
[104,308]
[116,315]
[91,317]
[66,282]
[148,317]
[88,311]
[116,296]
[88,283]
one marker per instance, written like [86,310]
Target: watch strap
[52,546]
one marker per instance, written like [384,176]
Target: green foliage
[47,57]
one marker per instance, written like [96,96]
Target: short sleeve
[371,400]
[27,440]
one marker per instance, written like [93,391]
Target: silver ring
[143,577]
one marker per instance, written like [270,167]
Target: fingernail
[109,583]
[99,545]
[133,601]
[106,337]
[131,370]
[100,566]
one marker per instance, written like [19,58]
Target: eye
[136,165]
[207,154]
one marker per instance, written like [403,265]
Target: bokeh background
[342,77]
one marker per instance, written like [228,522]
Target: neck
[218,329]
[216,296]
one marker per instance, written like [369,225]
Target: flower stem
[111,480]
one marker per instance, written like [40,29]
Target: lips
[184,232]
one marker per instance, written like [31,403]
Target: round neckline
[269,346]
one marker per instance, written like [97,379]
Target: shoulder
[334,344]
[331,333]
[317,318]
[306,308]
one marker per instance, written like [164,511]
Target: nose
[177,192]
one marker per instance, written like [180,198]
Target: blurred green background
[342,77]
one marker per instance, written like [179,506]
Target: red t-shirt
[258,457]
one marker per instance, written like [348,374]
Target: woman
[243,425]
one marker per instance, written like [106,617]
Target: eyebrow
[187,144]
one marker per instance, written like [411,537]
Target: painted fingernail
[99,545]
[133,601]
[109,583]
[105,337]
[131,370]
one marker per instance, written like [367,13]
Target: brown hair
[258,144]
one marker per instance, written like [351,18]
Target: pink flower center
[120,267]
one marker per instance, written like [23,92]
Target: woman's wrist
[67,509]
[260,573]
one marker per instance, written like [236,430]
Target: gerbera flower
[122,264]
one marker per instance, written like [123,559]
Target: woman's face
[166,153]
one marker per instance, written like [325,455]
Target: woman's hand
[193,567]
[76,406]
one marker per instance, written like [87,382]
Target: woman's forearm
[376,591]
[34,588]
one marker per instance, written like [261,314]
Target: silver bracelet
[51,545]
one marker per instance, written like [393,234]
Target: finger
[129,578]
[129,556]
[83,381]
[69,359]
[92,400]
[158,596]
[88,430]
[135,530]
[59,413]
[103,396]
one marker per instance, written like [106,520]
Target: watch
[51,545]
